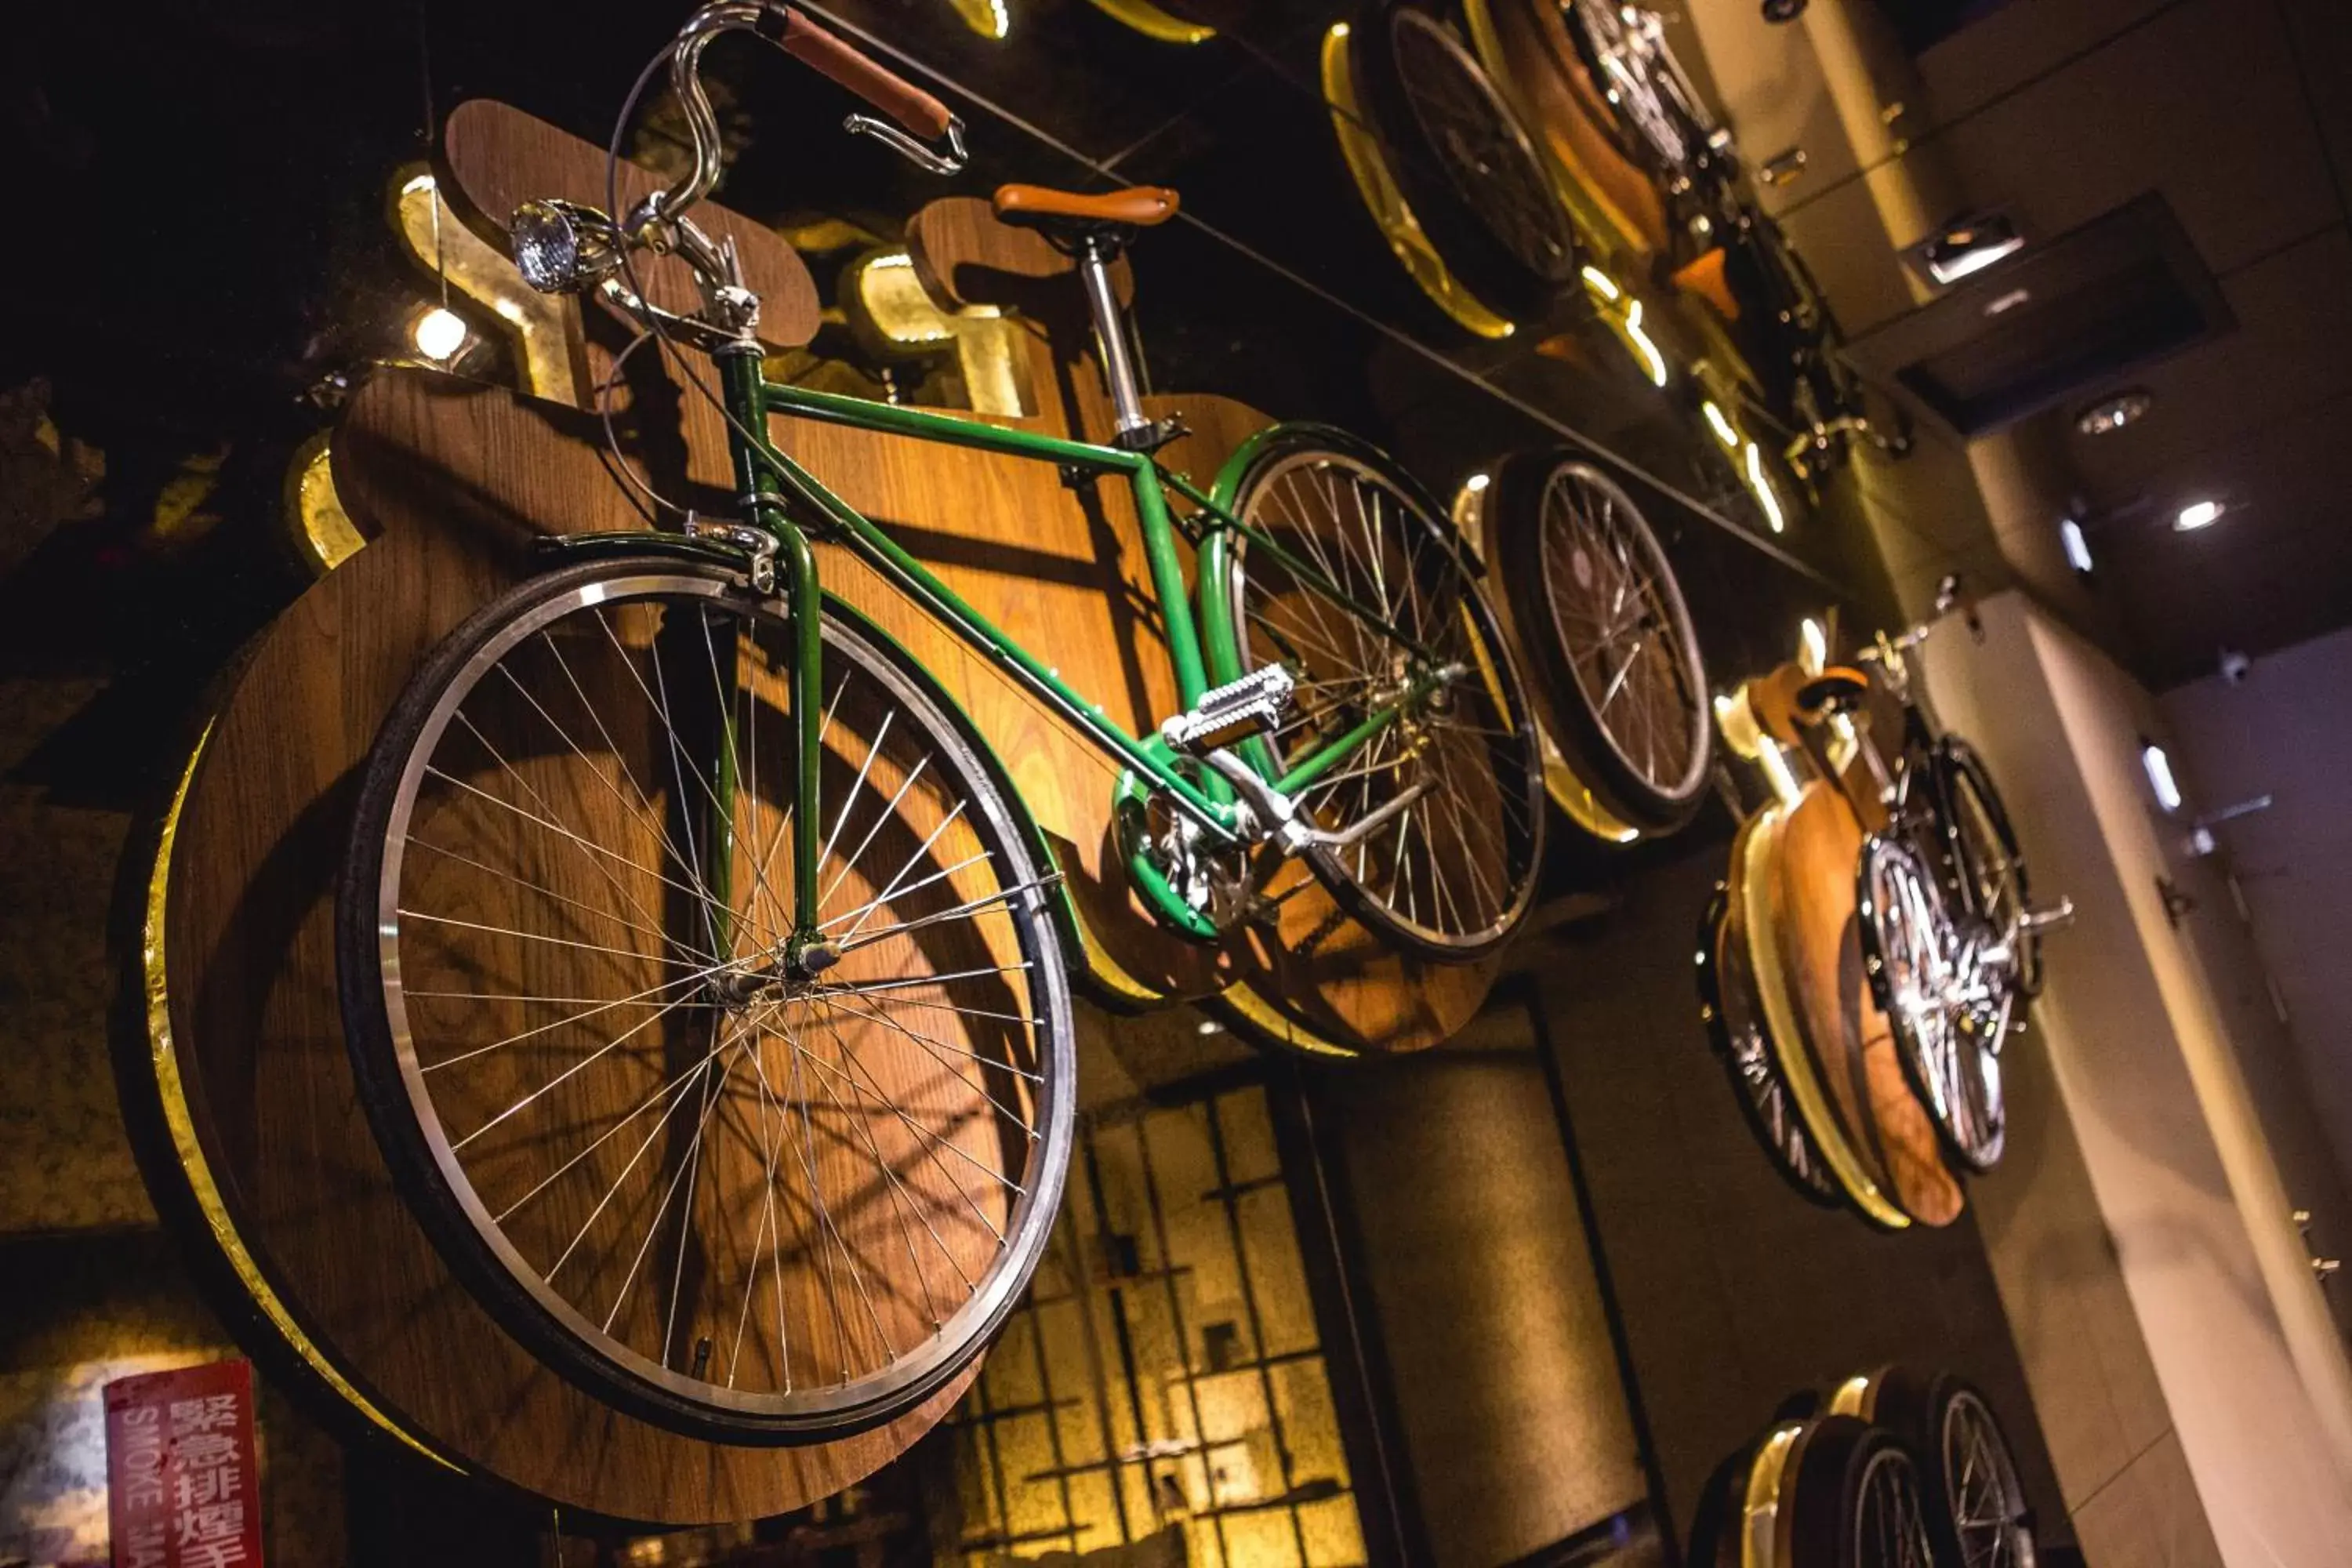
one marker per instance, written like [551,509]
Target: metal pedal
[2048,916]
[1250,706]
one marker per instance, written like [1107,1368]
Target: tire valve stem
[701,1356]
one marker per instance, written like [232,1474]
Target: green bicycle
[704,977]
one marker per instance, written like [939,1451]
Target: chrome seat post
[1095,255]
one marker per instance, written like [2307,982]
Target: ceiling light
[2198,514]
[2159,776]
[1967,245]
[2106,418]
[440,334]
[2078,549]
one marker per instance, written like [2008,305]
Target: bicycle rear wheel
[1449,872]
[1602,624]
[749,1202]
[1988,868]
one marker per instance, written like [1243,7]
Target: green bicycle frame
[780,494]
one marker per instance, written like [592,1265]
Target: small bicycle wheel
[1914,954]
[1735,1025]
[1977,1512]
[1605,631]
[1450,792]
[753,1196]
[1853,1498]
[1987,868]
[1468,168]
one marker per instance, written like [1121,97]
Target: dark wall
[1731,1291]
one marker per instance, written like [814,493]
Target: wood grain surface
[252,989]
[1752,885]
[1846,1035]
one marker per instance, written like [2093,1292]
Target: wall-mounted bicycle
[702,969]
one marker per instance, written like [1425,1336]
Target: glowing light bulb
[440,334]
[2159,776]
[2078,549]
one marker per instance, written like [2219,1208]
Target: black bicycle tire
[1322,861]
[1722,1498]
[1822,1498]
[1916,1407]
[1499,278]
[384,1096]
[1714,972]
[1956,761]
[1517,493]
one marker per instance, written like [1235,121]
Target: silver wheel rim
[1488,157]
[1931,979]
[1986,1502]
[1458,869]
[1890,1524]
[1630,77]
[1621,621]
[799,1084]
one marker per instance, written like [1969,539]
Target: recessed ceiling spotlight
[2078,548]
[1967,245]
[2159,768]
[2198,515]
[2107,417]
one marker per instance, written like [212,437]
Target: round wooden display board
[250,1053]
[1841,1034]
[1751,884]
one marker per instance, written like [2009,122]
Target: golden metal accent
[1760,1504]
[1154,22]
[889,308]
[989,18]
[322,528]
[1257,1012]
[172,1095]
[1854,1397]
[1386,203]
[1788,1043]
[545,326]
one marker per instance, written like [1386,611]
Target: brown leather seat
[1039,206]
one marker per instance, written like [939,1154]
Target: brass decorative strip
[173,1096]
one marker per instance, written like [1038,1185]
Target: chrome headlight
[561,247]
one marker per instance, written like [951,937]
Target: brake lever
[951,162]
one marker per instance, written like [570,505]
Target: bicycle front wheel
[754,1203]
[1360,591]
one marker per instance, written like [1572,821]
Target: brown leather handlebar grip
[829,54]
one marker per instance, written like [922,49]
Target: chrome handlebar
[566,248]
